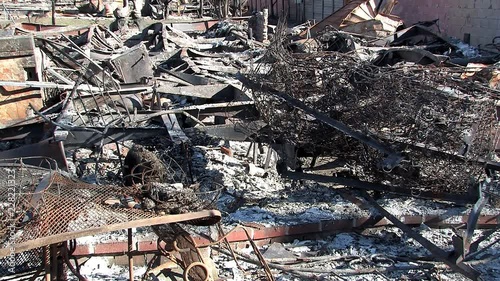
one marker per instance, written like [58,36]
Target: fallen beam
[324,227]
[53,239]
[437,252]
[354,183]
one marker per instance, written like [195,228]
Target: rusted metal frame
[227,243]
[70,96]
[171,79]
[56,265]
[299,272]
[193,118]
[350,260]
[205,91]
[20,163]
[82,137]
[189,78]
[36,84]
[37,273]
[474,247]
[46,258]
[64,126]
[59,76]
[58,238]
[362,185]
[87,69]
[345,225]
[269,274]
[37,196]
[187,259]
[185,57]
[96,102]
[65,256]
[101,144]
[238,131]
[372,220]
[35,154]
[149,266]
[84,108]
[438,253]
[174,129]
[393,157]
[185,149]
[268,233]
[58,47]
[110,110]
[110,33]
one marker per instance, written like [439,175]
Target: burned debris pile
[237,149]
[408,125]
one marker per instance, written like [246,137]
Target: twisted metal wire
[441,123]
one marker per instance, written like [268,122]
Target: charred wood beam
[393,157]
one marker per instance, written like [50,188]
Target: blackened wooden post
[53,12]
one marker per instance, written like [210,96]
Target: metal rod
[46,257]
[130,256]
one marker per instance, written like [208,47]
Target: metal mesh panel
[46,203]
[22,262]
[69,206]
[17,180]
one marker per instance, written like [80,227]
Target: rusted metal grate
[17,180]
[21,262]
[67,205]
[50,204]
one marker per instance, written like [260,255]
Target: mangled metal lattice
[50,204]
[442,126]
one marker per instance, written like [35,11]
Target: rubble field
[200,140]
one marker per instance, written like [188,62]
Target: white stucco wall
[480,18]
